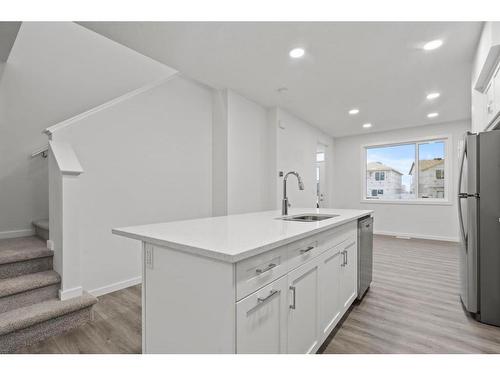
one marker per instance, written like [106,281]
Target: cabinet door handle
[271,293]
[259,271]
[346,257]
[292,306]
[343,258]
[306,250]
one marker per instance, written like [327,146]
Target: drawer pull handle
[292,306]
[262,300]
[306,250]
[260,271]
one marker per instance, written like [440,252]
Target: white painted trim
[51,129]
[423,202]
[16,233]
[66,159]
[417,235]
[70,293]
[116,286]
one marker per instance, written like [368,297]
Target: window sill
[423,202]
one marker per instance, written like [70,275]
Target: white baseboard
[70,293]
[17,233]
[115,286]
[419,236]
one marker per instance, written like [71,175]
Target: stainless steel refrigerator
[479,220]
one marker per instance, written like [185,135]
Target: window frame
[448,175]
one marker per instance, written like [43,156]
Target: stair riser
[28,298]
[42,233]
[28,336]
[25,267]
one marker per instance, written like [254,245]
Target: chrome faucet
[285,204]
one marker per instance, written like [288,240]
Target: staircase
[30,309]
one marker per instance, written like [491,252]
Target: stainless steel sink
[307,217]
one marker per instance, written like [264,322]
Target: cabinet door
[303,284]
[349,272]
[261,320]
[329,282]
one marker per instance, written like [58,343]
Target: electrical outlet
[50,245]
[149,257]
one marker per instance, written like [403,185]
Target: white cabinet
[261,320]
[490,101]
[496,93]
[296,313]
[348,273]
[329,281]
[303,315]
[285,300]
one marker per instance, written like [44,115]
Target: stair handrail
[44,152]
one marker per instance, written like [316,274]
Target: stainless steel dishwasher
[365,254]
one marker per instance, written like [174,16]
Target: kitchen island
[250,283]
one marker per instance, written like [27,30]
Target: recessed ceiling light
[433,44]
[433,114]
[433,95]
[296,53]
[367,125]
[354,111]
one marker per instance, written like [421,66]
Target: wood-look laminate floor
[412,307]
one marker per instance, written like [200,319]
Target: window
[320,156]
[410,171]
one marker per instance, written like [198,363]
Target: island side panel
[188,303]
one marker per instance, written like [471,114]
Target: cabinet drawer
[255,272]
[302,251]
[337,235]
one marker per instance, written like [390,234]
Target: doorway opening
[321,176]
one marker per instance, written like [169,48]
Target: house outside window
[412,171]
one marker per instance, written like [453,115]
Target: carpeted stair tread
[19,284]
[23,248]
[42,223]
[17,319]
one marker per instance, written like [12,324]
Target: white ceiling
[8,35]
[378,67]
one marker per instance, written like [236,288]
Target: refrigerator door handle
[462,195]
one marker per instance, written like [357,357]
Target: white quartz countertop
[236,237]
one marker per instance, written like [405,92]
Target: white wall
[249,153]
[297,143]
[145,160]
[417,220]
[55,71]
